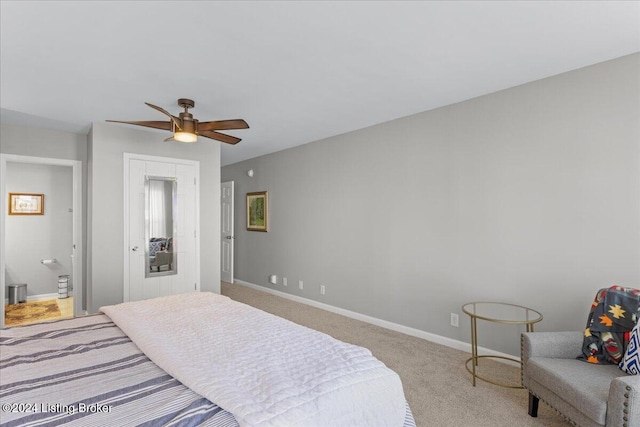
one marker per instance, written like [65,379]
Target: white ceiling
[295,71]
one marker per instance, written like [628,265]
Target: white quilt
[263,369]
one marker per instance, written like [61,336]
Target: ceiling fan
[187,129]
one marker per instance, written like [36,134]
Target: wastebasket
[17,293]
[63,286]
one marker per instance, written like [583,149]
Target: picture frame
[26,204]
[258,211]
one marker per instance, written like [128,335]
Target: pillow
[631,362]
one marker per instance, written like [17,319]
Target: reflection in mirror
[160,226]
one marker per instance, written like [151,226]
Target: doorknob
[134,249]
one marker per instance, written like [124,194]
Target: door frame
[232,236]
[78,250]
[127,157]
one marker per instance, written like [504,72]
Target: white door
[137,285]
[226,236]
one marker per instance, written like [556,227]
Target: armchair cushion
[584,386]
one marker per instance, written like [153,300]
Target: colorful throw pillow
[631,362]
[613,315]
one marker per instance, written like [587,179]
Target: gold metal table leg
[474,348]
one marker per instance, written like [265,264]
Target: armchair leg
[533,405]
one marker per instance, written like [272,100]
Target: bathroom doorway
[41,242]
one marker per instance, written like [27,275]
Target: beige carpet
[436,383]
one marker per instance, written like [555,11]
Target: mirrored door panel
[160,226]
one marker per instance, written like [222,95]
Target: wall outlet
[284,281]
[300,284]
[322,289]
[455,320]
[273,279]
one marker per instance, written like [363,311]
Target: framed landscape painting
[26,204]
[258,211]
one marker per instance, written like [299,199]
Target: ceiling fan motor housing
[189,124]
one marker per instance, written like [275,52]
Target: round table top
[502,312]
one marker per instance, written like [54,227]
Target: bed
[187,360]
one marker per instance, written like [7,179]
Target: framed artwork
[258,211]
[26,204]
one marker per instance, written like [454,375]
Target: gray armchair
[160,259]
[588,395]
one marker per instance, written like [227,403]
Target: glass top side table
[496,312]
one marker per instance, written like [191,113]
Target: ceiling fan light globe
[187,137]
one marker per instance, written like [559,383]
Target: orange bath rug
[30,312]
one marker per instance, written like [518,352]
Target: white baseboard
[36,297]
[42,297]
[438,339]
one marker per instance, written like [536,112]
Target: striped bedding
[87,372]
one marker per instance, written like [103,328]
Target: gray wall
[26,141]
[530,195]
[107,143]
[31,238]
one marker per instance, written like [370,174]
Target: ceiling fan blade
[156,125]
[220,136]
[163,111]
[223,125]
